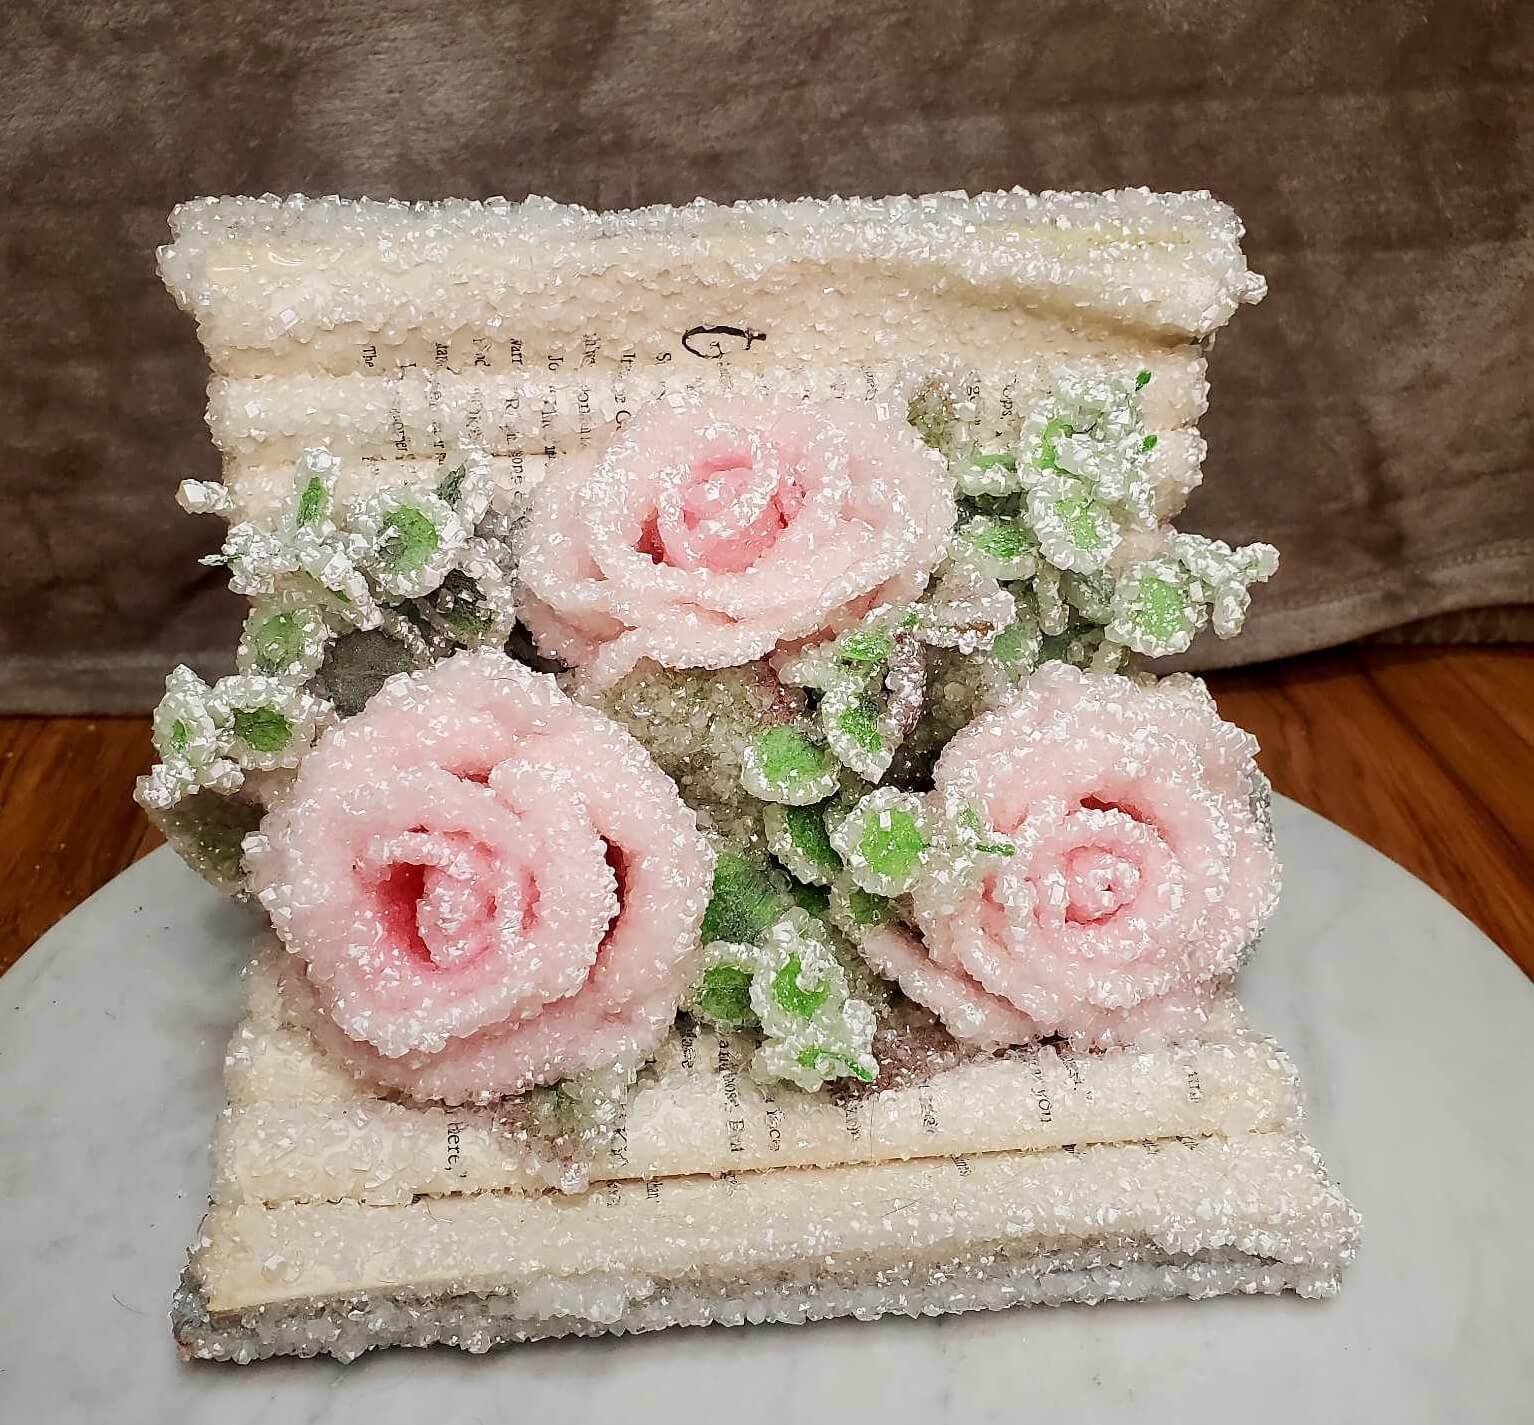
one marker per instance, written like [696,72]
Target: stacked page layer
[392,333]
[342,1221]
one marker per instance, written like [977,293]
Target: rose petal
[1141,870]
[489,884]
[706,535]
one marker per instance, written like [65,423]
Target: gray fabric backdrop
[1374,417]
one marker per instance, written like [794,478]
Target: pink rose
[489,886]
[705,535]
[1143,865]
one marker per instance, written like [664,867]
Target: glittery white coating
[705,535]
[388,427]
[300,1129]
[486,885]
[711,456]
[1129,1221]
[1141,870]
[244,266]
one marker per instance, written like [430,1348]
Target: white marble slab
[1415,1036]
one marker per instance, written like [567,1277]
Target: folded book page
[1203,1216]
[297,1129]
[393,333]
[397,334]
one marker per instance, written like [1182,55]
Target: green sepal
[793,998]
[1054,428]
[409,539]
[746,901]
[807,828]
[867,645]
[313,503]
[725,996]
[277,642]
[788,757]
[859,722]
[450,486]
[264,729]
[895,849]
[810,1058]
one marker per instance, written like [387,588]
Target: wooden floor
[1428,755]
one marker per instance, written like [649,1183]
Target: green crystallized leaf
[1142,380]
[278,642]
[1008,645]
[462,619]
[970,819]
[787,756]
[811,1057]
[313,503]
[264,729]
[892,843]
[860,723]
[410,539]
[1000,538]
[450,486]
[814,899]
[1079,515]
[745,901]
[726,995]
[1161,608]
[786,990]
[867,909]
[180,735]
[1056,427]
[866,646]
[807,829]
[1149,443]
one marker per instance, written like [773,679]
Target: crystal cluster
[789,985]
[425,565]
[778,599]
[694,720]
[1139,865]
[705,535]
[485,886]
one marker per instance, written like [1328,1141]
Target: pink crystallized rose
[484,886]
[1142,868]
[706,534]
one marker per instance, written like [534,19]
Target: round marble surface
[1414,1034]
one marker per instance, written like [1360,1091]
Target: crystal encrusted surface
[859,472]
[1125,1221]
[389,332]
[343,1221]
[299,1129]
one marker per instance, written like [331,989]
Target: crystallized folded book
[728,853]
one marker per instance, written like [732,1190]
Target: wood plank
[68,822]
[1486,742]
[1428,755]
[1364,737]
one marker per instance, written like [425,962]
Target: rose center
[1098,883]
[438,895]
[726,510]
